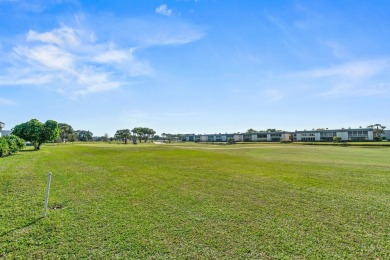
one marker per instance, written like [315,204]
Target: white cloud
[164,10]
[114,56]
[356,69]
[273,95]
[48,56]
[60,36]
[67,60]
[336,49]
[355,78]
[76,60]
[4,101]
[171,37]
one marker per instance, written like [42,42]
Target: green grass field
[197,201]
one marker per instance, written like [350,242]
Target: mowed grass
[197,201]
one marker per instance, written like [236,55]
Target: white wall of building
[371,135]
[386,134]
[342,135]
[285,137]
[237,138]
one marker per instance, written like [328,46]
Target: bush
[10,144]
[230,140]
[4,148]
[17,141]
[336,139]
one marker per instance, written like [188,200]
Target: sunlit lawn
[197,201]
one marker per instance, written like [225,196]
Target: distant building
[1,127]
[386,135]
[359,134]
[6,132]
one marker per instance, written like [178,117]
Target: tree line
[37,133]
[138,133]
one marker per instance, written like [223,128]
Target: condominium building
[359,134]
[386,134]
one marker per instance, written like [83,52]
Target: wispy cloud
[355,78]
[4,101]
[54,58]
[336,49]
[74,60]
[169,36]
[164,10]
[273,95]
[355,69]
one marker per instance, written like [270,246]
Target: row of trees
[251,130]
[68,134]
[10,145]
[140,133]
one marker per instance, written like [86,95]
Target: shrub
[230,140]
[17,143]
[336,139]
[4,148]
[10,144]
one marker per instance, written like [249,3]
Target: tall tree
[378,131]
[123,135]
[50,131]
[65,131]
[37,132]
[251,130]
[84,136]
[143,133]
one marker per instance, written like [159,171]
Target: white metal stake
[47,194]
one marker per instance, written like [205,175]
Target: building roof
[288,132]
[334,130]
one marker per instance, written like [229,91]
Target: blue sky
[195,66]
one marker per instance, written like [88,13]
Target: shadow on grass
[29,150]
[19,228]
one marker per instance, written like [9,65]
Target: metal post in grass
[47,194]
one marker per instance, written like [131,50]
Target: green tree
[50,131]
[123,135]
[251,130]
[143,133]
[84,136]
[65,131]
[378,131]
[73,137]
[37,132]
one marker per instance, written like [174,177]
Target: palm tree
[378,130]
